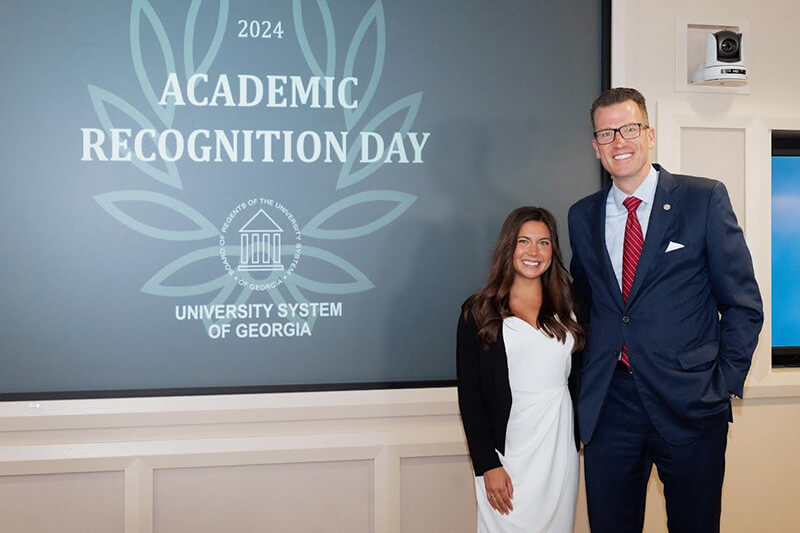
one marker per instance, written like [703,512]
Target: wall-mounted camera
[724,61]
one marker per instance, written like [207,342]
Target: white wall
[725,134]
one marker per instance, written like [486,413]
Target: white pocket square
[672,246]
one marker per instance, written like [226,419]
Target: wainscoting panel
[325,497]
[436,495]
[63,503]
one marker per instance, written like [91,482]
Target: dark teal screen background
[503,88]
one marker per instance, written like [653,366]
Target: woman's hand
[499,489]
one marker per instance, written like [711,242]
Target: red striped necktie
[632,249]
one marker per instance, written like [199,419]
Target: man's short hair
[618,95]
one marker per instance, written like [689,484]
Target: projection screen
[237,196]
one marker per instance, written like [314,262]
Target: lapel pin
[667,207]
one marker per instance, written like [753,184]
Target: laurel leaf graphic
[305,46]
[402,201]
[100,100]
[139,8]
[113,202]
[216,40]
[358,283]
[157,284]
[410,104]
[374,16]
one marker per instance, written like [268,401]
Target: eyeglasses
[627,132]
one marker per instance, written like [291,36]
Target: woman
[516,337]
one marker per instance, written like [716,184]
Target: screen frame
[785,143]
[603,180]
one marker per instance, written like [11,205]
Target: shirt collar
[646,192]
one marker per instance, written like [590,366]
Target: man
[673,315]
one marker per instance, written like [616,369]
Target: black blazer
[484,394]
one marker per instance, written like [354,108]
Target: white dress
[540,454]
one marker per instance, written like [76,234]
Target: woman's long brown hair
[489,306]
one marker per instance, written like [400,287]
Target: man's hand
[499,489]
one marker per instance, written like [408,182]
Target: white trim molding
[139,436]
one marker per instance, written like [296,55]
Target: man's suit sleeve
[474,412]
[580,283]
[735,289]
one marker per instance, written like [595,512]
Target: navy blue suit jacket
[692,318]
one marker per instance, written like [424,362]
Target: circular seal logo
[259,244]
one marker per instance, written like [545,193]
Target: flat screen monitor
[217,197]
[786,247]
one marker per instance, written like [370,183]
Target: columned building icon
[261,244]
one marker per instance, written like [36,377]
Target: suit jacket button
[626,319]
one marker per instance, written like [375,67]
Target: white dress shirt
[617,215]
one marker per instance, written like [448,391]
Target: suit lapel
[661,218]
[601,249]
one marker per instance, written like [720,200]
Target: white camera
[724,61]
